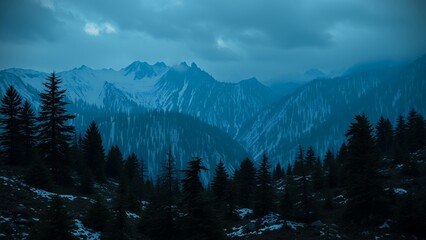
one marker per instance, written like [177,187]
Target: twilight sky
[231,39]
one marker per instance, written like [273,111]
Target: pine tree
[55,135]
[117,228]
[264,193]
[10,125]
[317,175]
[416,131]
[245,180]
[220,185]
[384,135]
[200,221]
[93,152]
[287,203]
[27,121]
[278,173]
[155,221]
[363,186]
[114,164]
[135,183]
[400,141]
[299,165]
[341,160]
[56,224]
[288,170]
[168,213]
[331,169]
[309,160]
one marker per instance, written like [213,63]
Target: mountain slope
[150,135]
[318,113]
[140,87]
[190,90]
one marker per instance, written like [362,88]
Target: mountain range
[142,107]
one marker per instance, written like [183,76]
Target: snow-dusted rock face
[140,87]
[319,113]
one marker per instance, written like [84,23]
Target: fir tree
[118,226]
[27,120]
[331,168]
[135,183]
[56,224]
[10,125]
[55,135]
[309,160]
[287,203]
[317,176]
[363,186]
[341,160]
[245,180]
[278,173]
[200,221]
[384,135]
[264,193]
[220,185]
[169,179]
[114,164]
[93,152]
[299,165]
[416,131]
[288,170]
[400,141]
[155,219]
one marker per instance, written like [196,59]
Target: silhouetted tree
[219,186]
[400,141]
[299,164]
[114,164]
[317,175]
[200,221]
[309,160]
[416,131]
[264,192]
[332,170]
[93,152]
[287,202]
[288,170]
[245,180]
[365,193]
[55,135]
[135,184]
[10,125]
[28,127]
[277,173]
[384,135]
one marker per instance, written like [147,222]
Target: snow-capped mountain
[140,87]
[319,113]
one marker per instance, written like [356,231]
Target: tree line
[177,206]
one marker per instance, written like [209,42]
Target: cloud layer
[231,39]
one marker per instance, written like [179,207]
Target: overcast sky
[231,39]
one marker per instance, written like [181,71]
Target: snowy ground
[84,233]
[259,226]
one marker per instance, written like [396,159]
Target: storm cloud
[232,40]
